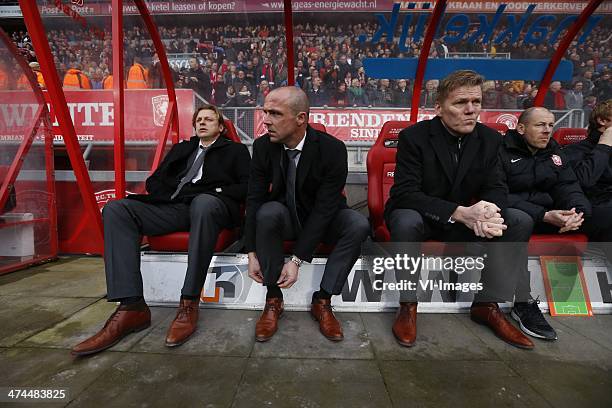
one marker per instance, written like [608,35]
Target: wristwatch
[296,260]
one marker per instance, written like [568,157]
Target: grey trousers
[347,231]
[506,260]
[126,221]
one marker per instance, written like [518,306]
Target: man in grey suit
[198,187]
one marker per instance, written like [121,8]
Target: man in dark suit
[591,160]
[444,166]
[295,193]
[198,187]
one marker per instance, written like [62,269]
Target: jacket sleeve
[327,203]
[534,210]
[568,193]
[256,196]
[407,190]
[242,159]
[589,166]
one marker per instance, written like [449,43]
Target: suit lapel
[440,147]
[307,157]
[467,157]
[186,155]
[278,164]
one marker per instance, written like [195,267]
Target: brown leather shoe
[121,323]
[404,327]
[490,315]
[184,324]
[268,321]
[321,311]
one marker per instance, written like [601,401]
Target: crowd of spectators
[235,66]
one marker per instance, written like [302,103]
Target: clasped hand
[566,220]
[484,218]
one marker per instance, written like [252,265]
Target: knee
[112,209]
[206,205]
[359,227]
[269,214]
[519,222]
[406,225]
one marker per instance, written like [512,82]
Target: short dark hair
[210,108]
[602,110]
[456,80]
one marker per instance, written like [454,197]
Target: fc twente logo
[77,2]
[508,120]
[160,108]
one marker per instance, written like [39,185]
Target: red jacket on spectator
[555,100]
[267,73]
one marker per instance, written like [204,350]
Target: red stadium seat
[557,244]
[179,241]
[231,132]
[500,127]
[566,136]
[381,167]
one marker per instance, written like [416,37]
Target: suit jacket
[592,163]
[321,176]
[225,174]
[542,181]
[424,179]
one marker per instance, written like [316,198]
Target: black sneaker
[531,320]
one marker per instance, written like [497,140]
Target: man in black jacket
[198,187]
[542,184]
[295,193]
[444,166]
[197,79]
[591,160]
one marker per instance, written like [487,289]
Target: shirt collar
[206,147]
[300,145]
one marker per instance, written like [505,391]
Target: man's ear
[520,128]
[437,109]
[302,118]
[600,122]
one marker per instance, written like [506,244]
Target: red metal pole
[563,46]
[42,115]
[289,37]
[36,30]
[50,169]
[422,64]
[118,98]
[166,71]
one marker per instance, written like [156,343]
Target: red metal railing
[41,117]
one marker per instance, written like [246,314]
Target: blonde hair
[456,80]
[602,110]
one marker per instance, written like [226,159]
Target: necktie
[457,152]
[290,188]
[197,164]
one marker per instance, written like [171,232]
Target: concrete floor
[46,309]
